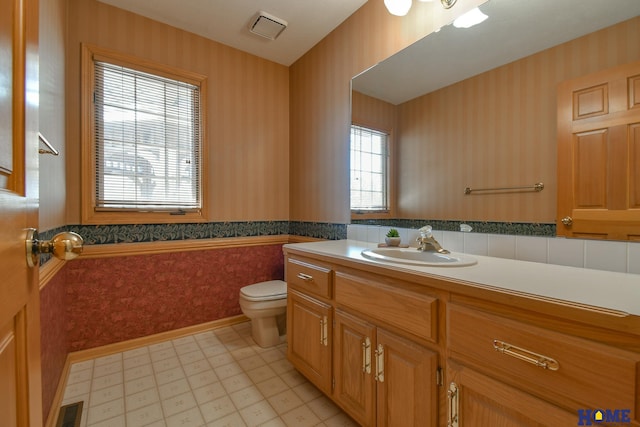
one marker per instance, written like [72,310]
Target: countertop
[607,290]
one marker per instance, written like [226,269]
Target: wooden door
[599,155]
[20,376]
[353,347]
[407,393]
[308,334]
[477,400]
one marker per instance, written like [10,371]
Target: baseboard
[93,353]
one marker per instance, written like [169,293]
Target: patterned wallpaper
[109,300]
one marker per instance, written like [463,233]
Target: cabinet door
[406,382]
[308,333]
[477,400]
[354,389]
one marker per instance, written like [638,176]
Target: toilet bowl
[265,303]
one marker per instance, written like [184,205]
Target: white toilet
[265,303]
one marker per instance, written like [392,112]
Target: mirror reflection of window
[369,170]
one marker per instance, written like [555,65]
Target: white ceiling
[227,21]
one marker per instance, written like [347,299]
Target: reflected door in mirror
[599,155]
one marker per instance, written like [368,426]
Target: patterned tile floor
[215,378]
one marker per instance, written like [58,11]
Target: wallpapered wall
[247,117]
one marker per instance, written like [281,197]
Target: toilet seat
[265,291]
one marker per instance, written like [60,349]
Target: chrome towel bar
[536,187]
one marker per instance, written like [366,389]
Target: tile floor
[215,378]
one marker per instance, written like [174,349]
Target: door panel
[20,390]
[8,386]
[309,347]
[483,401]
[598,140]
[354,344]
[407,396]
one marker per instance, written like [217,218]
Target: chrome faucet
[427,242]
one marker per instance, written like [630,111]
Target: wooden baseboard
[93,353]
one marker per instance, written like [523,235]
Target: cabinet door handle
[528,356]
[366,355]
[305,277]
[380,364]
[452,396]
[323,331]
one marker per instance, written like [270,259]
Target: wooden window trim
[88,202]
[391,179]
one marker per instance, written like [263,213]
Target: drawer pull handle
[305,277]
[536,359]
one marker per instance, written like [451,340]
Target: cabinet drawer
[578,373]
[310,277]
[409,311]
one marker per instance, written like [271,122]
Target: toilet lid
[265,291]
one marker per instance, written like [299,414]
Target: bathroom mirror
[515,29]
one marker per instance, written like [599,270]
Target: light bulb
[469,19]
[398,7]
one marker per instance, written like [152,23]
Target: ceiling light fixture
[401,7]
[469,19]
[398,7]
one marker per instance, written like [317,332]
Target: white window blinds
[369,165]
[147,141]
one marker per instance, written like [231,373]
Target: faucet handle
[426,231]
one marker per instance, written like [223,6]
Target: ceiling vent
[267,26]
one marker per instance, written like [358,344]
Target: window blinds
[147,141]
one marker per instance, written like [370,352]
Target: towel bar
[536,187]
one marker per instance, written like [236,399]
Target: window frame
[390,178]
[90,215]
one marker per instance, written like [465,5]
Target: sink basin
[412,256]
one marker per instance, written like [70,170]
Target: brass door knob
[66,246]
[567,220]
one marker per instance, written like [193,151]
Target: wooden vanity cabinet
[508,360]
[309,335]
[475,399]
[310,320]
[507,372]
[382,378]
[347,339]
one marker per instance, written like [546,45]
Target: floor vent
[70,415]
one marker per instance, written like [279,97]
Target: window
[369,170]
[146,143]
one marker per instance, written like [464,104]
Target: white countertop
[603,289]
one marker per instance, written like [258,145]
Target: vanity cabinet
[308,328]
[361,341]
[393,347]
[381,378]
[503,369]
[475,399]
[310,320]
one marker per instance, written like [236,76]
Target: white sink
[412,256]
